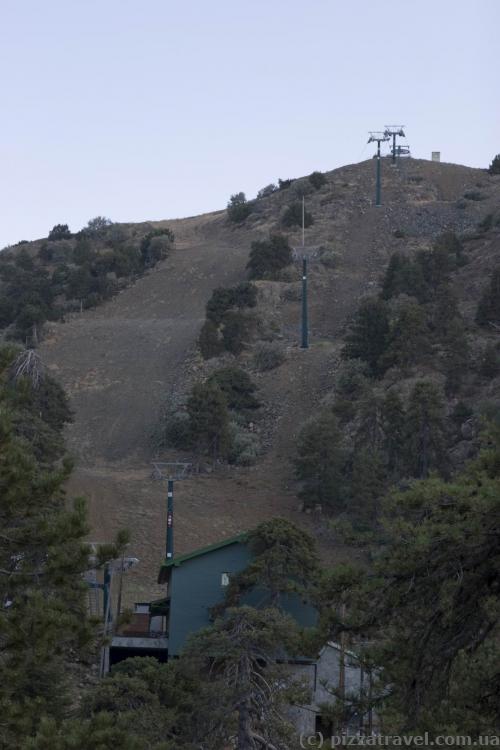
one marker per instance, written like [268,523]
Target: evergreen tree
[488,309]
[368,336]
[284,561]
[209,418]
[42,557]
[403,276]
[431,606]
[243,694]
[393,423]
[494,167]
[237,386]
[320,463]
[367,487]
[455,356]
[408,340]
[425,430]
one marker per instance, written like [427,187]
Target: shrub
[494,167]
[266,191]
[284,184]
[490,362]
[83,252]
[235,331]
[268,356]
[238,208]
[293,216]
[177,433]
[224,298]
[317,180]
[46,252]
[473,195]
[156,245]
[399,234]
[267,257]
[210,341]
[237,387]
[486,224]
[60,232]
[245,446]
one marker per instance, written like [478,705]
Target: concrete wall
[318,677]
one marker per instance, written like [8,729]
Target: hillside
[122,360]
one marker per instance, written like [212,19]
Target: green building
[195,583]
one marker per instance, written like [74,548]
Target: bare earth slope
[121,360]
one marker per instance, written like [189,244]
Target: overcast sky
[154,109]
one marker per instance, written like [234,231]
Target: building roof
[176,561]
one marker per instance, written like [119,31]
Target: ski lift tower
[305,253]
[170,472]
[394,131]
[377,137]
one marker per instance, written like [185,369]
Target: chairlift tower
[394,131]
[170,472]
[378,137]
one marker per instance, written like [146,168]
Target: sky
[154,109]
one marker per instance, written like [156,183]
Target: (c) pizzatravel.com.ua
[317,740]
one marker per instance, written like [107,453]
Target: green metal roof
[176,561]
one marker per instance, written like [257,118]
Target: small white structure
[436,156]
[335,670]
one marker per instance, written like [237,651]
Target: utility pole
[378,138]
[394,131]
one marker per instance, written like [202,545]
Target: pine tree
[403,276]
[209,418]
[425,430]
[488,309]
[243,694]
[432,604]
[284,561]
[366,487]
[320,463]
[494,167]
[368,336]
[42,557]
[393,423]
[408,341]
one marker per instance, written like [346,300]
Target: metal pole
[378,189]
[305,332]
[394,148]
[303,220]
[106,604]
[170,520]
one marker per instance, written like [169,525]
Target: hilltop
[122,360]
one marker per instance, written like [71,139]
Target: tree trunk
[245,735]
